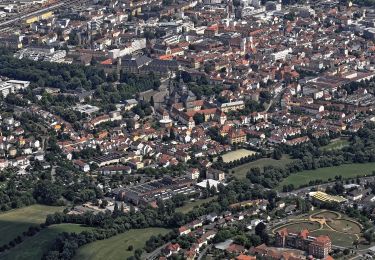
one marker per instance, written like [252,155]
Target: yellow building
[32,20]
[46,15]
[324,197]
[36,18]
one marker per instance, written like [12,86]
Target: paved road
[320,186]
[203,253]
[154,254]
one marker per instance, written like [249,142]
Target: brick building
[316,246]
[321,247]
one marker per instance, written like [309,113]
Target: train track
[7,25]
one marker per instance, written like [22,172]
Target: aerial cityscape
[187,129]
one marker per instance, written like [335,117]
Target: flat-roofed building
[12,86]
[324,197]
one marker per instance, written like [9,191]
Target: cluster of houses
[17,147]
[297,69]
[204,229]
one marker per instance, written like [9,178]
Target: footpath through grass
[116,248]
[15,222]
[34,247]
[241,171]
[346,171]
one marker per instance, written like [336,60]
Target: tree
[138,253]
[73,38]
[172,134]
[104,204]
[47,192]
[167,2]
[198,118]
[260,229]
[277,154]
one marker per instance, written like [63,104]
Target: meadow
[241,171]
[337,144]
[34,247]
[116,248]
[15,222]
[347,171]
[189,205]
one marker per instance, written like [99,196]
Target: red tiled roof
[245,257]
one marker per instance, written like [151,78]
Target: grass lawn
[35,247]
[344,225]
[14,222]
[326,214]
[235,155]
[191,204]
[338,239]
[297,227]
[345,170]
[335,145]
[241,171]
[115,248]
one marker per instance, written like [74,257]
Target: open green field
[298,226]
[335,145]
[34,247]
[346,171]
[241,171]
[191,204]
[339,239]
[115,248]
[237,154]
[14,222]
[344,225]
[326,215]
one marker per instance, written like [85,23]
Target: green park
[342,230]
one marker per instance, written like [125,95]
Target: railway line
[13,22]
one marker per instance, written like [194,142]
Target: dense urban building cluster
[128,111]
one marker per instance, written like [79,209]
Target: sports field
[34,247]
[237,154]
[241,171]
[15,222]
[115,248]
[345,170]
